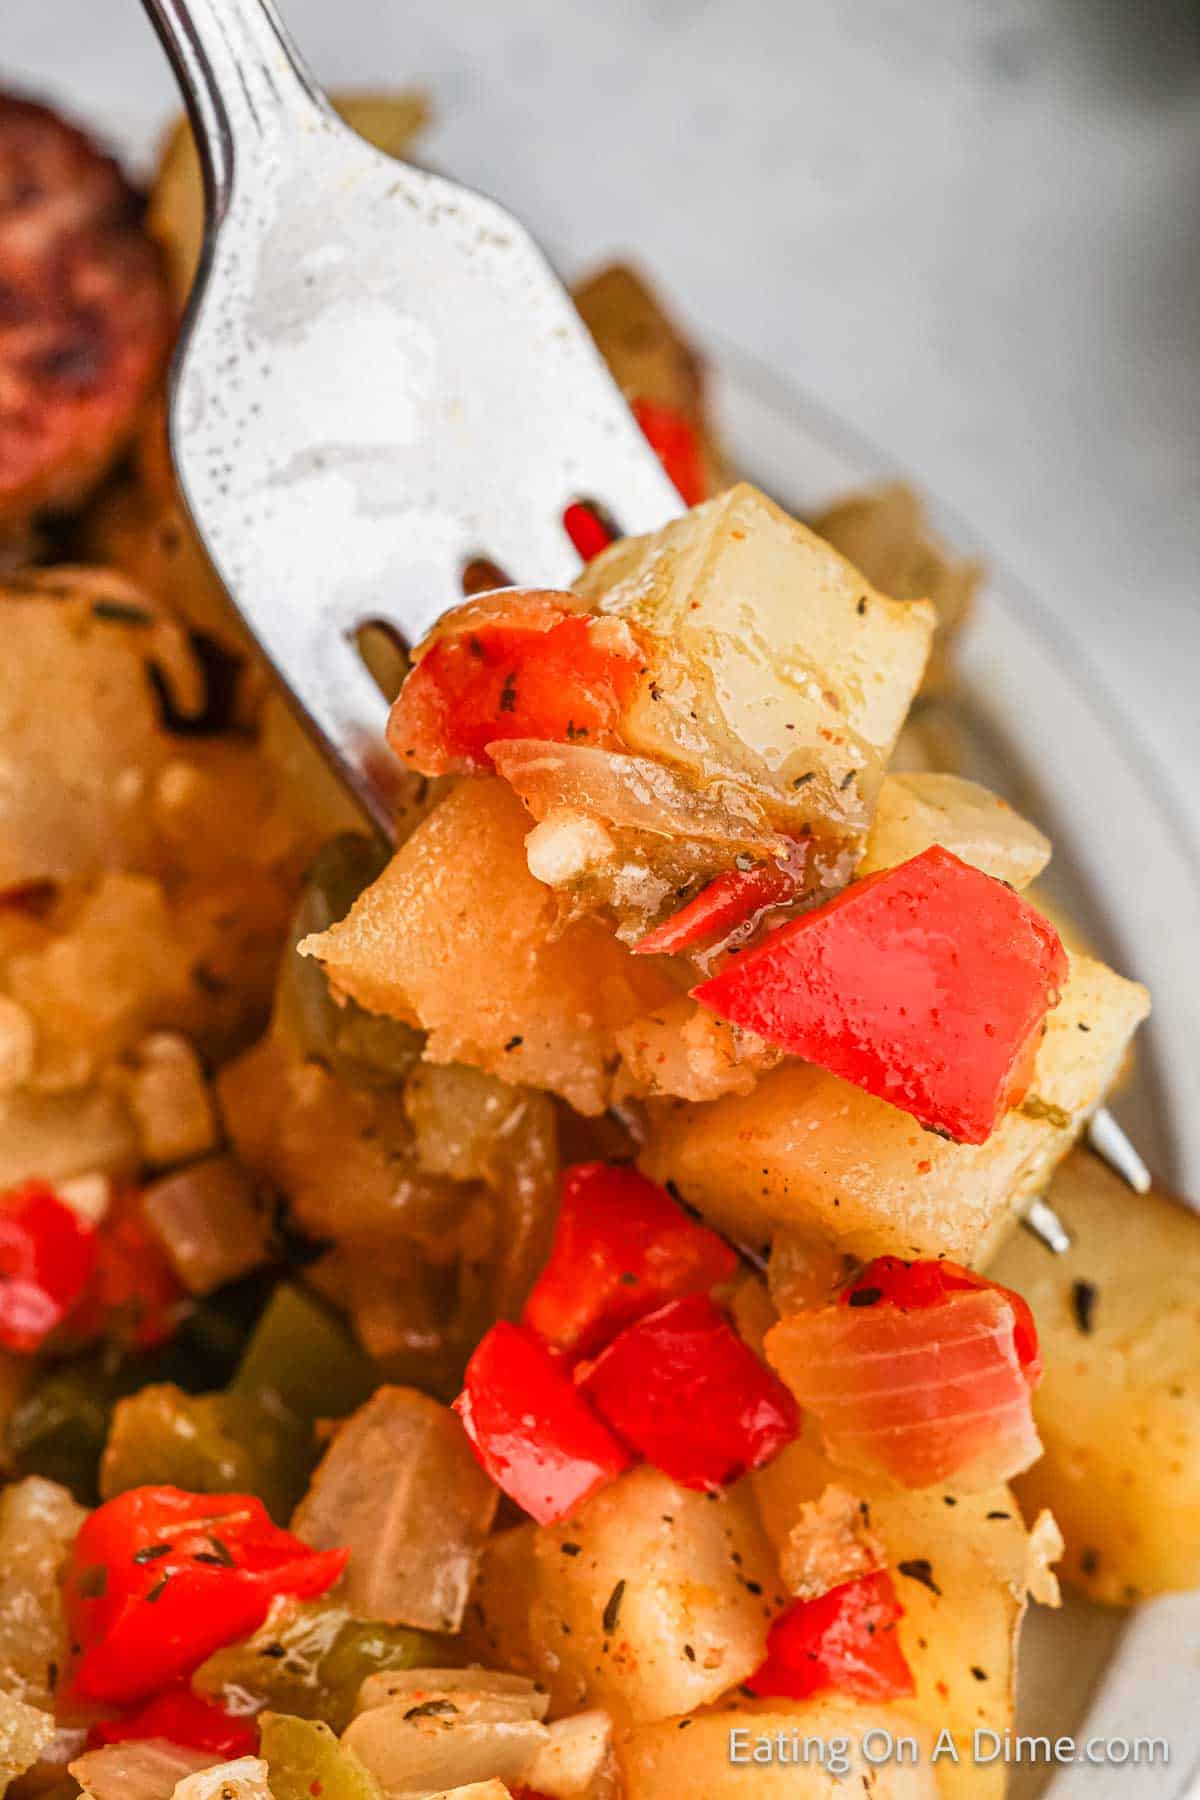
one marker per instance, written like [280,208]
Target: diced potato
[121,965]
[962,1565]
[400,1487]
[38,1522]
[639,1603]
[885,534]
[175,216]
[80,736]
[683,1050]
[812,1153]
[1118,1409]
[58,1136]
[578,1762]
[456,936]
[475,1790]
[169,1099]
[713,1754]
[915,811]
[783,667]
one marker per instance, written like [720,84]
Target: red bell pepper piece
[915,1286]
[846,1639]
[47,1258]
[158,1579]
[587,530]
[925,984]
[182,1717]
[621,1248]
[134,1296]
[676,443]
[513,666]
[682,1389]
[530,1429]
[727,902]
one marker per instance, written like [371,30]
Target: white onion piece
[400,1487]
[140,1769]
[410,1752]
[935,1394]
[475,1693]
[208,1221]
[633,792]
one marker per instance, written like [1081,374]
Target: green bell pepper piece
[304,1758]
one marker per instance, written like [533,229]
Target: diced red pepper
[185,1718]
[727,902]
[925,984]
[622,1247]
[134,1296]
[158,1579]
[47,1258]
[531,1430]
[587,530]
[676,443]
[915,1286]
[513,666]
[846,1640]
[682,1389]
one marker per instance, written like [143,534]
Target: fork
[379,384]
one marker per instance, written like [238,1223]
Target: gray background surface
[969,227]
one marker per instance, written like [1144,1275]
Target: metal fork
[380,380]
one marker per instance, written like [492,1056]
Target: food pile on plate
[529,1312]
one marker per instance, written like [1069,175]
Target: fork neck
[242,78]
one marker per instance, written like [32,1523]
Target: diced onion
[634,792]
[400,1487]
[410,1751]
[139,1769]
[925,1396]
[209,1221]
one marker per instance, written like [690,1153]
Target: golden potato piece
[653,1599]
[456,936]
[735,1752]
[886,535]
[916,810]
[963,1566]
[807,671]
[1119,1406]
[175,215]
[809,1151]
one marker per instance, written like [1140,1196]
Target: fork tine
[1045,1225]
[1112,1145]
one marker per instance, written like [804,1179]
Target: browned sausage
[84,315]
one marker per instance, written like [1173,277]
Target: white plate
[1128,870]
[1048,737]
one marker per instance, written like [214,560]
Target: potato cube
[813,1747]
[784,665]
[917,810]
[1118,1409]
[456,936]
[963,1565]
[652,1600]
[812,1153]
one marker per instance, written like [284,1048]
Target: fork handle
[242,78]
